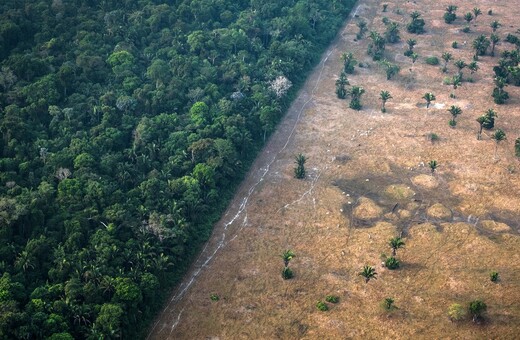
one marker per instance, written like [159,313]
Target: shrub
[432,61]
[433,137]
[214,297]
[452,123]
[322,306]
[392,263]
[332,298]
[355,104]
[455,44]
[517,147]
[493,276]
[287,273]
[466,29]
[388,304]
[456,312]
[449,17]
[490,12]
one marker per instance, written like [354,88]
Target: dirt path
[368,181]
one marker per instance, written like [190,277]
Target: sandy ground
[367,181]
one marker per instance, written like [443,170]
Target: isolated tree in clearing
[368,273]
[299,171]
[477,308]
[287,256]
[355,93]
[396,243]
[498,136]
[433,165]
[342,81]
[429,97]
[384,96]
[455,111]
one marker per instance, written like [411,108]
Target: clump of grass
[392,263]
[214,297]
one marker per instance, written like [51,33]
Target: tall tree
[384,96]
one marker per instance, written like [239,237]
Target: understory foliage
[124,129]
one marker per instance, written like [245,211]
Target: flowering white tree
[280,86]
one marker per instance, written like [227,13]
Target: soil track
[366,182]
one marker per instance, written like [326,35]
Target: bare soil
[459,224]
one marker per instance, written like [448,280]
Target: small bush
[408,53]
[466,29]
[493,276]
[322,306]
[433,137]
[385,20]
[214,297]
[455,44]
[517,147]
[452,123]
[456,312]
[287,273]
[388,304]
[490,12]
[355,104]
[432,61]
[385,7]
[332,298]
[392,263]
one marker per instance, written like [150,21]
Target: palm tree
[446,56]
[473,67]
[480,44]
[468,17]
[388,304]
[450,15]
[368,273]
[494,40]
[455,111]
[392,33]
[495,25]
[481,120]
[287,256]
[396,243]
[342,81]
[414,57]
[460,64]
[384,96]
[433,165]
[348,62]
[499,94]
[429,97]
[356,92]
[377,46]
[476,309]
[299,171]
[411,43]
[490,115]
[456,83]
[362,25]
[417,24]
[476,12]
[498,136]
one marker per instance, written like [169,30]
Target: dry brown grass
[381,157]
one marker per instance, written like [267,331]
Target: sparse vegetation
[411,44]
[348,62]
[341,83]
[517,147]
[390,69]
[376,47]
[362,26]
[214,297]
[432,60]
[355,94]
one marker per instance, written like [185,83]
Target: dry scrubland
[458,225]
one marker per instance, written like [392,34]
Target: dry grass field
[367,181]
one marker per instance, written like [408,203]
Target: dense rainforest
[125,126]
